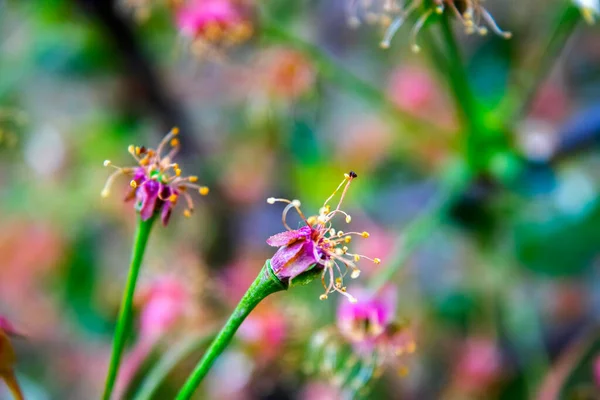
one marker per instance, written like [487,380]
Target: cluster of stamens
[391,15]
[159,171]
[331,245]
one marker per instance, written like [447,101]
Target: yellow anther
[105,193]
[133,184]
[327,209]
[347,176]
[345,249]
[193,179]
[356,258]
[323,297]
[355,273]
[365,234]
[271,200]
[348,239]
[203,190]
[107,163]
[348,219]
[175,130]
[173,198]
[138,150]
[131,149]
[187,213]
[338,280]
[174,142]
[311,220]
[177,172]
[377,260]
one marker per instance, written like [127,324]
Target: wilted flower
[213,21]
[156,182]
[589,8]
[8,357]
[366,339]
[391,15]
[318,245]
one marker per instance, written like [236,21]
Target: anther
[173,198]
[365,234]
[296,203]
[131,149]
[352,174]
[177,172]
[355,273]
[377,261]
[187,213]
[107,163]
[348,219]
[271,200]
[348,239]
[356,258]
[175,130]
[323,297]
[105,193]
[133,184]
[138,150]
[203,190]
[193,179]
[174,142]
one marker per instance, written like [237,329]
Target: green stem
[265,284]
[173,357]
[464,99]
[139,247]
[420,229]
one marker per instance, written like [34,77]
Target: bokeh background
[503,296]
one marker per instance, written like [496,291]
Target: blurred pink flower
[264,331]
[214,21]
[413,89]
[287,74]
[479,365]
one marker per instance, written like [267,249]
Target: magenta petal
[290,261]
[288,237]
[149,196]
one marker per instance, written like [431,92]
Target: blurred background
[503,296]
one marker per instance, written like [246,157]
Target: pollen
[365,234]
[193,179]
[133,184]
[174,142]
[173,198]
[348,239]
[203,190]
[377,261]
[187,213]
[177,172]
[175,131]
[356,258]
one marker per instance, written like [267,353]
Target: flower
[391,15]
[366,339]
[590,9]
[213,21]
[317,244]
[156,182]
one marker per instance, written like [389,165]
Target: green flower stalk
[315,249]
[156,185]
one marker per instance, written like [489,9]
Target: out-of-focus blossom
[479,366]
[264,331]
[317,245]
[8,358]
[391,15]
[156,182]
[374,337]
[413,89]
[287,73]
[218,22]
[589,8]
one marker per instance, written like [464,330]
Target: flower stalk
[141,239]
[266,283]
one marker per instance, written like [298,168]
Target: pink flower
[156,182]
[479,365]
[317,245]
[213,21]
